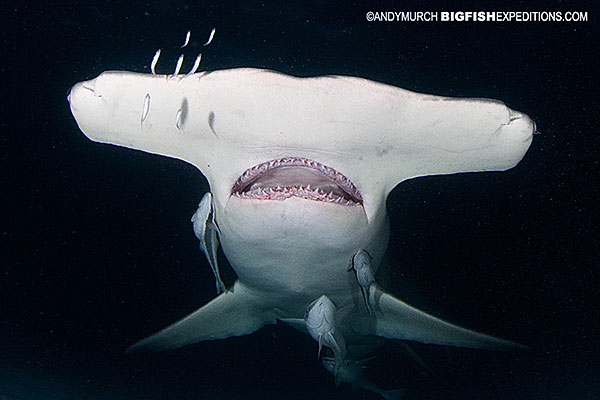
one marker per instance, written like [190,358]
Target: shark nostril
[91,86]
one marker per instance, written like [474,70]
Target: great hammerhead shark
[300,170]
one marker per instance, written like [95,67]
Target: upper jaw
[287,177]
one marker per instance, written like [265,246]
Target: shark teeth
[282,193]
[240,188]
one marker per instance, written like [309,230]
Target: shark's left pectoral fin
[395,319]
[234,313]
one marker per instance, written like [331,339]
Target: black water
[98,250]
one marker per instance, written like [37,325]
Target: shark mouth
[288,177]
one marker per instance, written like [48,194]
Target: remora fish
[320,320]
[206,229]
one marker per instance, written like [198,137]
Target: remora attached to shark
[299,170]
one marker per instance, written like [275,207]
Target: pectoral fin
[321,339]
[417,359]
[338,380]
[234,313]
[365,294]
[395,319]
[335,342]
[212,246]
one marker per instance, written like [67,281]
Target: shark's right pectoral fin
[233,313]
[395,319]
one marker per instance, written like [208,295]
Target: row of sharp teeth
[291,161]
[288,191]
[258,169]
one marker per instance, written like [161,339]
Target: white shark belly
[297,250]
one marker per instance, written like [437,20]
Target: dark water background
[98,250]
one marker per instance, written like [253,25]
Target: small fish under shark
[351,372]
[206,229]
[320,321]
[365,276]
[299,172]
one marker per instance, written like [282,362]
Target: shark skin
[300,170]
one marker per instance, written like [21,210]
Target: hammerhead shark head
[300,170]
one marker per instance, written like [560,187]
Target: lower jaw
[283,193]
